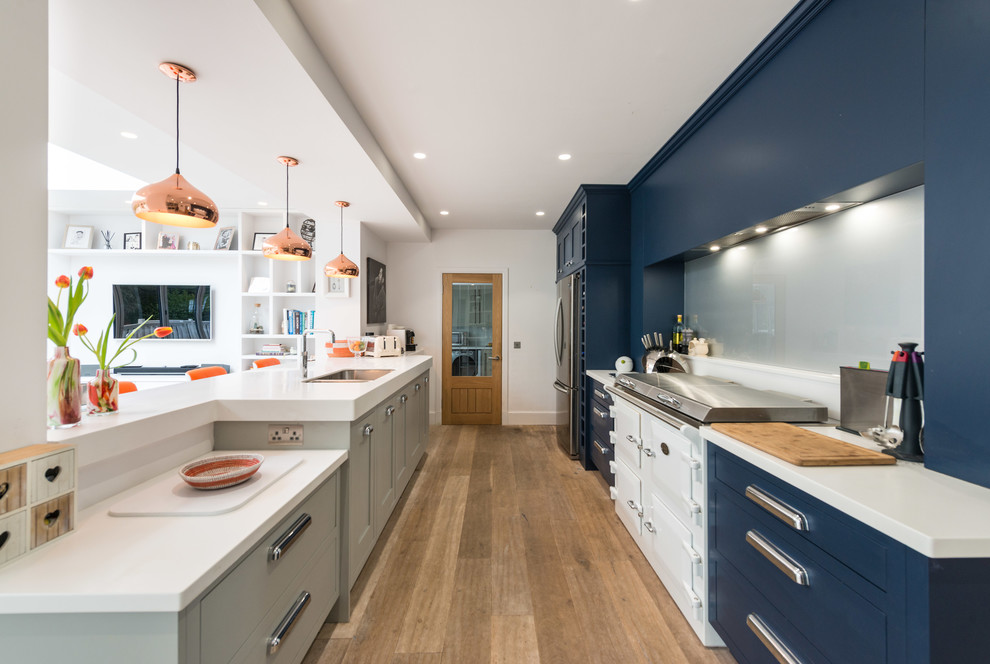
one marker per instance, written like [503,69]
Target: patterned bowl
[221,471]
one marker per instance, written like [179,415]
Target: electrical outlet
[285,434]
[517,344]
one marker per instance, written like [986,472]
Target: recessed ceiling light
[832,207]
[419,155]
[540,213]
[563,157]
[739,248]
[738,233]
[444,212]
[262,203]
[714,247]
[760,229]
[128,134]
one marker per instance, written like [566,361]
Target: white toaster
[387,347]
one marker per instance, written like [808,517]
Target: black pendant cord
[177,81]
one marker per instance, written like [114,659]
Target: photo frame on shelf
[225,238]
[168,240]
[78,237]
[259,239]
[338,287]
[260,285]
[132,241]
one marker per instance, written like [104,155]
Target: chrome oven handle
[778,508]
[776,647]
[778,558]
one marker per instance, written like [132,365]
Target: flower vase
[64,398]
[103,393]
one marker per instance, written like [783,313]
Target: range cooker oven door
[565,348]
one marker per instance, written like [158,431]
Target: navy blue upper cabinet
[605,240]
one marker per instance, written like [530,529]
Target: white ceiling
[491,92]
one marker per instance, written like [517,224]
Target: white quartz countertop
[153,563]
[603,376]
[934,514]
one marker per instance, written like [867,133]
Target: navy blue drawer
[821,609]
[855,545]
[599,394]
[735,600]
[601,419]
[601,454]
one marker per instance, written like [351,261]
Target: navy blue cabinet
[593,239]
[600,448]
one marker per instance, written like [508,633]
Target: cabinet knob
[649,526]
[648,452]
[427,380]
[389,410]
[403,399]
[416,387]
[368,429]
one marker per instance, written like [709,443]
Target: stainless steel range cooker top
[706,400]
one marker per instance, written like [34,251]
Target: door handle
[560,387]
[496,357]
[558,333]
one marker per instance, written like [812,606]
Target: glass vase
[64,398]
[104,390]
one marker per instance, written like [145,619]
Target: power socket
[285,434]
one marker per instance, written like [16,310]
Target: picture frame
[78,237]
[260,285]
[376,292]
[259,239]
[338,287]
[168,240]
[225,238]
[132,241]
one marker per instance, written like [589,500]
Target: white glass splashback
[828,293]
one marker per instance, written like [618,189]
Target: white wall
[340,314]
[24,191]
[373,246]
[526,259]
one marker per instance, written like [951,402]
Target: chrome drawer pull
[601,448]
[649,526]
[776,647]
[634,507]
[648,452]
[779,509]
[282,631]
[601,396]
[600,413]
[284,542]
[780,560]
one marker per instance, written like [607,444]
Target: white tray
[169,495]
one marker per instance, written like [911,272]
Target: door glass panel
[471,329]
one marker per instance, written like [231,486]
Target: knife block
[37,497]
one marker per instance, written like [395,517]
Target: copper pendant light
[286,245]
[174,201]
[341,266]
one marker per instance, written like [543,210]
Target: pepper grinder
[906,381]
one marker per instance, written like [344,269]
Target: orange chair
[205,372]
[266,362]
[125,386]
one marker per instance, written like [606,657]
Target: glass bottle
[256,326]
[677,338]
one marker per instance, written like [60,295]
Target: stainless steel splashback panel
[709,400]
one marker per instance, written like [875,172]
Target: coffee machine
[906,385]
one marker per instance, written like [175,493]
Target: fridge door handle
[559,331]
[560,387]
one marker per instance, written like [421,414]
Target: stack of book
[297,322]
[273,349]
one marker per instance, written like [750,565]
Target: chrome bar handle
[282,631]
[776,647]
[778,558]
[778,508]
[283,543]
[601,448]
[600,413]
[603,397]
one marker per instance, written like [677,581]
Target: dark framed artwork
[376,291]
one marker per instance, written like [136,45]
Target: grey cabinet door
[383,463]
[400,436]
[414,418]
[361,493]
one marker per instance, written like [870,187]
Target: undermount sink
[349,376]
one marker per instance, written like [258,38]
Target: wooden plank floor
[503,550]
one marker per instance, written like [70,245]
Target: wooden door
[472,349]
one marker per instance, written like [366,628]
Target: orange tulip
[85,272]
[63,281]
[79,329]
[162,332]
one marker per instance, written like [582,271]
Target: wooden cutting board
[800,447]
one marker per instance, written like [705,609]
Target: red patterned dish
[221,471]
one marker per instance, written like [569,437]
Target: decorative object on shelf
[307,231]
[376,291]
[174,201]
[256,327]
[168,240]
[286,245]
[259,240]
[78,237]
[132,240]
[107,236]
[221,471]
[341,266]
[260,285]
[624,364]
[104,388]
[192,246]
[290,287]
[338,287]
[698,347]
[64,399]
[225,238]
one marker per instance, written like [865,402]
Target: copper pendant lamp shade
[341,266]
[173,201]
[287,245]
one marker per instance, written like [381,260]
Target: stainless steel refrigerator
[566,349]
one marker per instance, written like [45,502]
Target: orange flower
[162,332]
[85,272]
[63,281]
[79,329]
